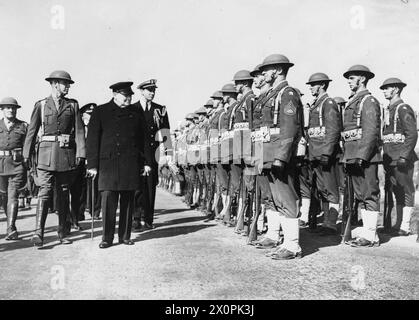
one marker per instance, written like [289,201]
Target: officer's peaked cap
[122,87]
[152,83]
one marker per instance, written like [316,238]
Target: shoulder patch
[290,109]
[291,93]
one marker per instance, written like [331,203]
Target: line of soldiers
[257,159]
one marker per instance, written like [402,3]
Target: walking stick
[92,208]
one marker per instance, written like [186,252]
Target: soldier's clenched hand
[92,173]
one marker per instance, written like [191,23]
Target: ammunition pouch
[394,138]
[352,135]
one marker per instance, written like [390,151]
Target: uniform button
[118,154]
[58,122]
[117,144]
[117,134]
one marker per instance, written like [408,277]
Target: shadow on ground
[169,232]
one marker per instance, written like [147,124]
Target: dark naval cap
[122,88]
[148,84]
[88,108]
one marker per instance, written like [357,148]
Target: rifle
[348,208]
[253,232]
[240,215]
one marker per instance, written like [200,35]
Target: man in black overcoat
[116,155]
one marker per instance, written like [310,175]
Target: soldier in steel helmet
[226,153]
[399,140]
[241,169]
[61,150]
[214,155]
[12,172]
[323,140]
[281,129]
[361,136]
[190,173]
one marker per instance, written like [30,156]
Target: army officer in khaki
[60,150]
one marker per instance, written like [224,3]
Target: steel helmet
[201,110]
[393,81]
[242,75]
[255,71]
[9,101]
[318,77]
[228,88]
[275,59]
[189,116]
[210,103]
[60,75]
[358,68]
[339,100]
[217,95]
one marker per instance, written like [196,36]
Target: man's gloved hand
[325,160]
[80,161]
[278,168]
[361,163]
[27,163]
[402,163]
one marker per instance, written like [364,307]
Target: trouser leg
[109,206]
[125,215]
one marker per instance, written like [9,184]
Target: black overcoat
[116,146]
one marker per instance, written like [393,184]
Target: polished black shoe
[126,242]
[104,245]
[362,242]
[65,241]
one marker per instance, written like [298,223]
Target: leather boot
[41,217]
[11,220]
[63,214]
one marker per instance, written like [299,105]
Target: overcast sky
[194,47]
